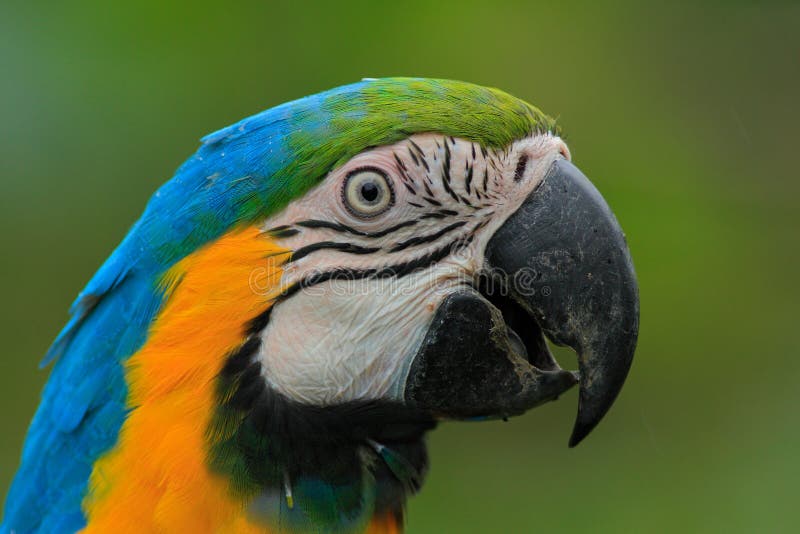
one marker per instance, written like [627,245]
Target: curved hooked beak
[564,272]
[565,261]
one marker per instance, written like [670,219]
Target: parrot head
[427,267]
[329,279]
[430,271]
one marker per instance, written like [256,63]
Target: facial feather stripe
[398,270]
[437,162]
[357,269]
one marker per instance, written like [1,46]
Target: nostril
[522,164]
[563,149]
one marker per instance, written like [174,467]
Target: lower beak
[563,259]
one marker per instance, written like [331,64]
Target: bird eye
[367,192]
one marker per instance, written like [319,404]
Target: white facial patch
[365,289]
[350,339]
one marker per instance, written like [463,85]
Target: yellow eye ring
[367,192]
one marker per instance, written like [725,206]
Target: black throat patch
[324,467]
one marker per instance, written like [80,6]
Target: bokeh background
[686,116]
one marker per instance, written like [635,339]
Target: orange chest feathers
[157,477]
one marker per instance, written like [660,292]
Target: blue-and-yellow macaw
[309,294]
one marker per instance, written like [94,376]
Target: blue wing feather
[83,403]
[82,409]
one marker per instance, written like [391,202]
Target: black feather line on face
[420,240]
[427,188]
[446,174]
[406,180]
[413,156]
[410,188]
[466,201]
[350,248]
[400,165]
[283,231]
[399,270]
[441,214]
[350,230]
[421,155]
[468,180]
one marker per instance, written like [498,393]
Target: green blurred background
[686,117]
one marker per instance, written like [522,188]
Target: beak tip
[574,440]
[580,431]
[598,395]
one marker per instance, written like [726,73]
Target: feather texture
[172,396]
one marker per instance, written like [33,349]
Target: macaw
[313,290]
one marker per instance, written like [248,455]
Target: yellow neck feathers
[156,478]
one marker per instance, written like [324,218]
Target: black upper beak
[565,261]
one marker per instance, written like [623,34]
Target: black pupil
[370,191]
